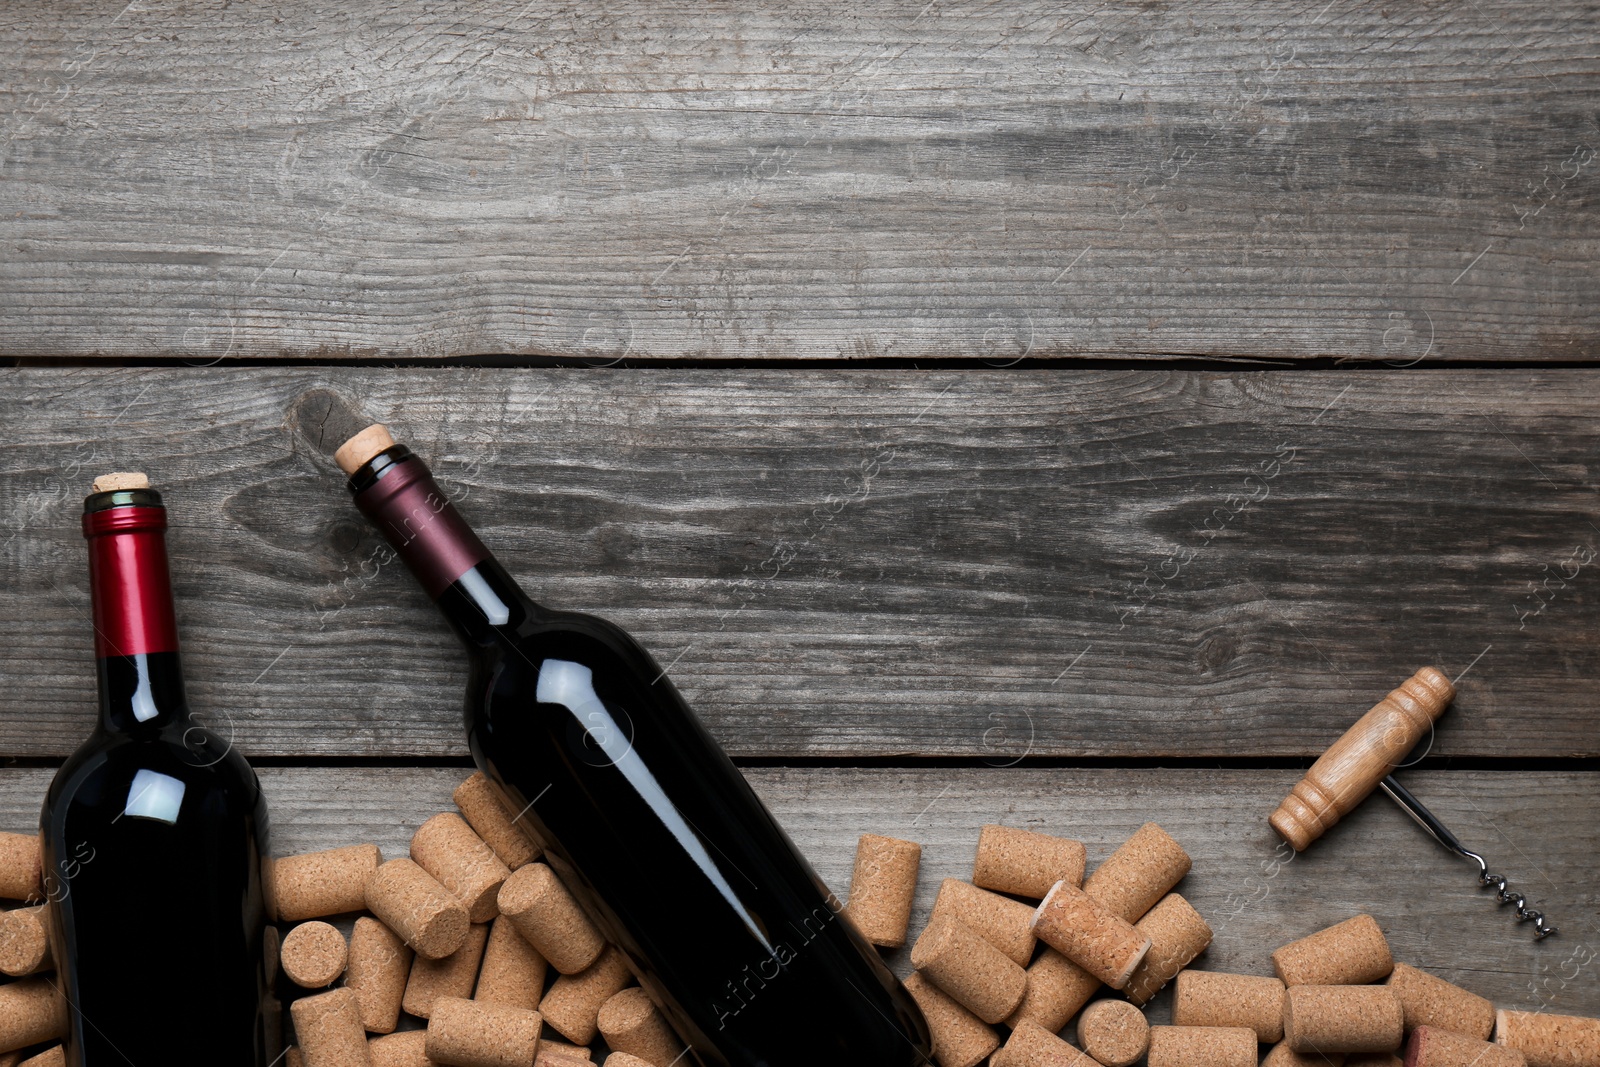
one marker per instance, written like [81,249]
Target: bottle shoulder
[187,753]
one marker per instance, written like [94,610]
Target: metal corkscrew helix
[1440,833]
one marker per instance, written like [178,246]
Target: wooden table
[1058,417]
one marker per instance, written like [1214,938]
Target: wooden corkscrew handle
[1359,760]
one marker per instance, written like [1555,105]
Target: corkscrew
[1440,833]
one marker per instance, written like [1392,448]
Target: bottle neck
[135,627]
[397,492]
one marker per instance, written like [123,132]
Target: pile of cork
[462,936]
[978,965]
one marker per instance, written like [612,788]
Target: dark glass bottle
[658,834]
[154,833]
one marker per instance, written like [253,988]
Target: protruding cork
[380,965]
[1177,935]
[1428,1000]
[1282,1055]
[1031,1045]
[960,1038]
[630,1023]
[314,885]
[545,913]
[1212,998]
[1114,1032]
[1201,1046]
[401,1050]
[24,942]
[572,1006]
[446,848]
[363,446]
[413,904]
[313,955]
[20,877]
[1138,874]
[1342,1018]
[1549,1040]
[110,483]
[1057,988]
[1354,765]
[452,976]
[1353,952]
[1025,862]
[31,1011]
[1433,1046]
[328,1028]
[882,887]
[54,1056]
[1005,923]
[513,971]
[1089,935]
[480,805]
[471,1033]
[969,969]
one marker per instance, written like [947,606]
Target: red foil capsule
[129,581]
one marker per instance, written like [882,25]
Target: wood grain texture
[989,565]
[802,181]
[1251,893]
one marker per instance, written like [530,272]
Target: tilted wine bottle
[644,817]
[154,834]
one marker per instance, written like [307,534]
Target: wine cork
[630,1023]
[1354,765]
[24,942]
[452,976]
[1284,1056]
[31,1011]
[446,848]
[314,885]
[54,1056]
[1353,952]
[622,1059]
[328,1028]
[1433,1046]
[545,913]
[293,1057]
[1427,1000]
[480,805]
[412,903]
[380,966]
[401,1050]
[1057,988]
[471,1033]
[1025,862]
[1201,1046]
[513,971]
[1546,1040]
[313,955]
[1139,873]
[881,888]
[20,875]
[969,970]
[1177,934]
[354,453]
[119,480]
[1079,928]
[1211,998]
[960,1038]
[1114,1032]
[572,1006]
[1342,1018]
[1374,1059]
[1005,923]
[1031,1045]
[561,1054]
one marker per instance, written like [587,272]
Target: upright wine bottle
[153,834]
[645,818]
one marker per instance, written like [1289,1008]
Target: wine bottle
[641,813]
[153,834]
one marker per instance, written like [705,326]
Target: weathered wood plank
[990,565]
[1377,861]
[838,180]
